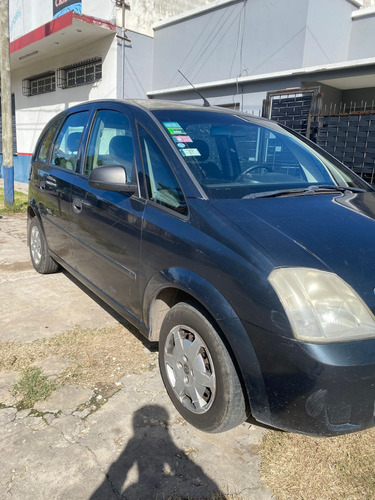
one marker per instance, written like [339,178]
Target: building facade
[67,51]
[284,59]
[241,50]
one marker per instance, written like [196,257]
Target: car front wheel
[198,372]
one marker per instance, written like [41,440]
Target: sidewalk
[22,187]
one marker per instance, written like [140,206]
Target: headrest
[122,147]
[73,141]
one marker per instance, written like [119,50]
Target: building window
[39,84]
[81,73]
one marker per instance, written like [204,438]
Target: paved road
[135,446]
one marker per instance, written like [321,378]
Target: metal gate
[293,107]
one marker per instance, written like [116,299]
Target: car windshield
[235,156]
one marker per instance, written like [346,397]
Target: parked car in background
[239,246]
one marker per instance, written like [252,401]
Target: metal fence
[350,137]
[345,130]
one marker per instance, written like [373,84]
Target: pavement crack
[107,477]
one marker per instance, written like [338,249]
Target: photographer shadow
[153,467]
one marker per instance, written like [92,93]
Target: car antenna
[205,102]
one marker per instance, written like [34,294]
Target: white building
[68,51]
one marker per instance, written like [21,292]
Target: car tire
[40,257]
[198,372]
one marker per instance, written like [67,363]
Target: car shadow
[152,466]
[151,346]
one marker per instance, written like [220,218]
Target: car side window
[46,142]
[65,150]
[162,185]
[110,142]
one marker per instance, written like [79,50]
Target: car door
[55,176]
[168,238]
[106,225]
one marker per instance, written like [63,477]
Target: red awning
[57,36]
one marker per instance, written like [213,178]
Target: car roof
[150,105]
[156,105]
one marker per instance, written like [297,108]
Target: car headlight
[321,307]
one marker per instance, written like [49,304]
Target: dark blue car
[244,250]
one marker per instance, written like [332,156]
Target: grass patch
[97,357]
[304,468]
[33,387]
[19,206]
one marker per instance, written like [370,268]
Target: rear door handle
[77,205]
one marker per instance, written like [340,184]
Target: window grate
[39,84]
[82,73]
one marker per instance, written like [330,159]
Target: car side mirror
[111,178]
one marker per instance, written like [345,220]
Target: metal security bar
[39,84]
[81,73]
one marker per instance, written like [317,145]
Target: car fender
[34,207]
[234,333]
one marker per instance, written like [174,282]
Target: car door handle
[77,205]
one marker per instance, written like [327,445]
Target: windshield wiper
[311,190]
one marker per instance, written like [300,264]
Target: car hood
[331,232]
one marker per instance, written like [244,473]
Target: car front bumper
[315,389]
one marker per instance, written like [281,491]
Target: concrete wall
[253,37]
[103,9]
[359,95]
[137,66]
[144,13]
[362,40]
[328,31]
[237,38]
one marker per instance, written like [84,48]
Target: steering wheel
[261,169]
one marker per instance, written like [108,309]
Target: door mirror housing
[111,178]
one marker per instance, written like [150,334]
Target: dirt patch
[304,468]
[97,358]
[16,267]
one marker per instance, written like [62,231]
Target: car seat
[208,169]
